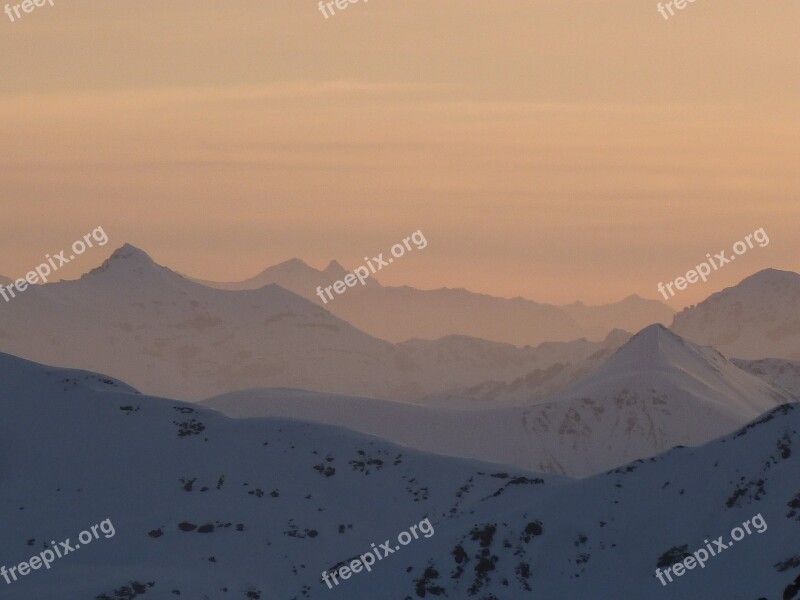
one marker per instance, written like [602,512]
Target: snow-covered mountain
[432,314]
[758,318]
[147,325]
[654,393]
[205,507]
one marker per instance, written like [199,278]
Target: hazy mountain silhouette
[399,313]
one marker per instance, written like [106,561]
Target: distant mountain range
[400,313]
[166,335]
[208,507]
[758,318]
[170,336]
[655,392]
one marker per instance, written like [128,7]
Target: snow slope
[655,392]
[205,507]
[604,537]
[271,502]
[758,318]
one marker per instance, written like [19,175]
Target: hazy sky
[553,149]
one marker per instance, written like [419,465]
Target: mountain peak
[653,331]
[655,334]
[658,371]
[335,270]
[653,345]
[127,260]
[131,252]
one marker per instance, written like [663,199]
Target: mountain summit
[130,252]
[128,256]
[128,264]
[657,367]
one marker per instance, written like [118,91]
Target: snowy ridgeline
[209,507]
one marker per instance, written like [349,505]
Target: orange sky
[551,149]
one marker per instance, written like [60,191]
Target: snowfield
[207,507]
